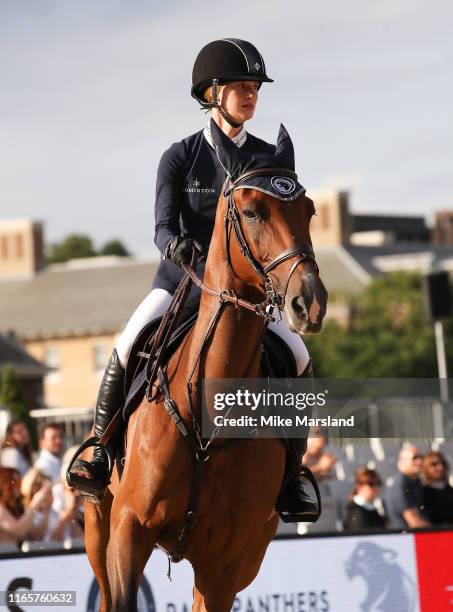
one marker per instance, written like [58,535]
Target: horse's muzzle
[305,308]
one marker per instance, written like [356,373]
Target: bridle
[232,221]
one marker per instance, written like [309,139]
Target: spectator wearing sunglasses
[365,509]
[405,501]
[437,492]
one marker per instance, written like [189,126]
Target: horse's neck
[232,349]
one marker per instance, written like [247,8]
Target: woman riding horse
[226,77]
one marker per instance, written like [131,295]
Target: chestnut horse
[236,517]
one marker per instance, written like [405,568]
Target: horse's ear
[227,152]
[284,153]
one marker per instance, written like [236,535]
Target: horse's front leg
[217,598]
[131,543]
[216,584]
[97,533]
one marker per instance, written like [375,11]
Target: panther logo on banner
[389,587]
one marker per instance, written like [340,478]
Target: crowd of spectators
[417,495]
[35,502]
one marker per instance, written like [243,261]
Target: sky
[92,93]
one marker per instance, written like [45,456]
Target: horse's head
[267,229]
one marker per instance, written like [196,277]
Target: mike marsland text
[279,421]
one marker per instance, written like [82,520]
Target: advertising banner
[391,572]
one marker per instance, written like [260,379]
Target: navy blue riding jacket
[189,183]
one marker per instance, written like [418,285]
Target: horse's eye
[249,214]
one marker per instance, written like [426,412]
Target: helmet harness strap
[216,104]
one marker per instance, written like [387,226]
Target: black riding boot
[294,504]
[92,477]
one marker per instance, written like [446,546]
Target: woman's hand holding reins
[180,250]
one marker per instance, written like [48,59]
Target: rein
[229,295]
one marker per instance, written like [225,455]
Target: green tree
[11,397]
[389,335]
[74,246]
[114,247]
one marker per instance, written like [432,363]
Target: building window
[100,356]
[324,216]
[52,358]
[4,247]
[19,246]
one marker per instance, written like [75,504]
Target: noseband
[233,221]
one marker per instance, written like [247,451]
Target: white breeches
[156,303]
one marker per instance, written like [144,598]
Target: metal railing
[76,422]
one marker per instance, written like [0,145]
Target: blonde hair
[207,94]
[32,481]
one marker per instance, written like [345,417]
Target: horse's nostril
[298,305]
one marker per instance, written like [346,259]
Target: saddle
[277,359]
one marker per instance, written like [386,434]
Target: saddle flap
[136,381]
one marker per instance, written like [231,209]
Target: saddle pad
[136,382]
[143,341]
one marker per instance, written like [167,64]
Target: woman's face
[20,434]
[369,490]
[239,99]
[435,469]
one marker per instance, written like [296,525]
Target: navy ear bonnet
[284,186]
[281,187]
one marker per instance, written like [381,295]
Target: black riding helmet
[223,61]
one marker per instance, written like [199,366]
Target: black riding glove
[180,249]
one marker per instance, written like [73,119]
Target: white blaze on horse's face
[272,226]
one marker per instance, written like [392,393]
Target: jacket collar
[238,140]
